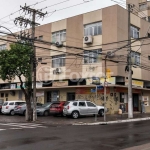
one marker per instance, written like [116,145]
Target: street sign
[99,87]
[93,90]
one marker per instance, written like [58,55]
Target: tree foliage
[16,62]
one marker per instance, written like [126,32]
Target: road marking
[15,128]
[24,125]
[2,129]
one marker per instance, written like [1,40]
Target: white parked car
[8,106]
[81,108]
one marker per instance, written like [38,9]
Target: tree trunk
[29,111]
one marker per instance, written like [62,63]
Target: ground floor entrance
[136,102]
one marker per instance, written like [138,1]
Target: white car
[8,106]
[81,108]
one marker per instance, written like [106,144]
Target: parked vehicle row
[75,108]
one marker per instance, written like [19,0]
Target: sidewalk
[88,120]
[116,118]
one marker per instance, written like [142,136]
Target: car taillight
[7,107]
[18,107]
[67,107]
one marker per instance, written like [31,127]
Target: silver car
[21,109]
[44,109]
[82,107]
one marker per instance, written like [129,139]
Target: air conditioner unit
[88,39]
[59,44]
[110,54]
[58,70]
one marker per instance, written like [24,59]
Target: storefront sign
[60,83]
[136,83]
[88,91]
[40,94]
[39,84]
[125,90]
[111,80]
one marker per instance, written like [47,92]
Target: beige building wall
[74,39]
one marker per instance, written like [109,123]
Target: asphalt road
[24,136]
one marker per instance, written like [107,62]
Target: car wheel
[46,113]
[12,113]
[75,114]
[101,113]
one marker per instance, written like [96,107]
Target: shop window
[2,94]
[122,97]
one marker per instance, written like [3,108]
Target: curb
[113,122]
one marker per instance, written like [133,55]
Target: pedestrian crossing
[19,126]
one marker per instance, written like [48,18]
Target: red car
[57,108]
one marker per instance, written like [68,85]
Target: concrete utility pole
[34,12]
[130,101]
[105,88]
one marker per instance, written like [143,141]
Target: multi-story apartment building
[65,69]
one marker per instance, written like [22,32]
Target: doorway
[70,96]
[135,102]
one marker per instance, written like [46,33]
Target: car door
[92,109]
[83,109]
[11,105]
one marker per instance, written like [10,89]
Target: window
[75,104]
[91,56]
[93,29]
[143,6]
[6,94]
[82,104]
[90,104]
[135,57]
[58,61]
[59,36]
[2,94]
[41,37]
[12,103]
[3,47]
[134,31]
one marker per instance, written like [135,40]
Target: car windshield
[46,105]
[5,103]
[66,103]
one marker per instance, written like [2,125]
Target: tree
[16,62]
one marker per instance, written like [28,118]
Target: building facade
[66,68]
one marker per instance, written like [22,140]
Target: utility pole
[105,92]
[130,101]
[32,23]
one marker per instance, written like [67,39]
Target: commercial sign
[136,83]
[60,83]
[89,91]
[40,94]
[111,80]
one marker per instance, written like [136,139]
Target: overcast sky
[10,6]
